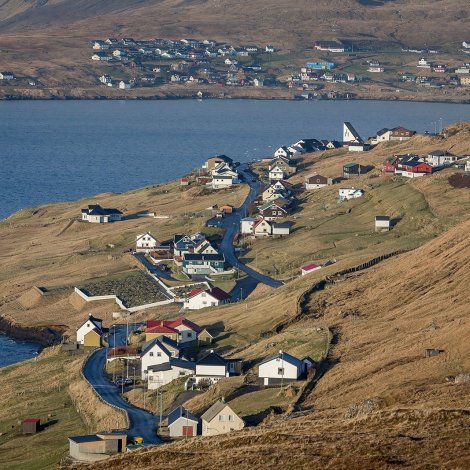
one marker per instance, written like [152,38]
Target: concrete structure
[220,419]
[96,447]
[280,368]
[181,423]
[382,223]
[98,215]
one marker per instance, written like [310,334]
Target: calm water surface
[12,351]
[64,150]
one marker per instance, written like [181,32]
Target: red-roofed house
[199,298]
[309,268]
[158,328]
[181,329]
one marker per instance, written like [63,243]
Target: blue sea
[13,351]
[64,150]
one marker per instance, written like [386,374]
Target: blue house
[201,263]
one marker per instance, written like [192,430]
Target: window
[231,418]
[159,354]
[280,371]
[221,418]
[190,334]
[151,354]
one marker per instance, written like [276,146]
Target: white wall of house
[246,226]
[281,230]
[154,356]
[276,173]
[201,300]
[157,379]
[83,330]
[186,334]
[213,373]
[278,369]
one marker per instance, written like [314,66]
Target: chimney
[212,351]
[280,351]
[161,323]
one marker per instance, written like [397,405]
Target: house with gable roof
[213,367]
[182,423]
[94,213]
[220,419]
[202,298]
[91,332]
[146,242]
[282,367]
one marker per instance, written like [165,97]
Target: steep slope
[382,403]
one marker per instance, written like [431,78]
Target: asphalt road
[142,423]
[231,223]
[154,268]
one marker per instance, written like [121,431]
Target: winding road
[142,423]
[231,223]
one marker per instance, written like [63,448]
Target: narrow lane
[231,223]
[142,423]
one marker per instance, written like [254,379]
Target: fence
[94,298]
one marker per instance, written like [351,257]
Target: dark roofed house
[201,263]
[355,169]
[382,223]
[94,213]
[214,367]
[182,423]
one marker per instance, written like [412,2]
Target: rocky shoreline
[43,335]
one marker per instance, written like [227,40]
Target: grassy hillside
[49,40]
[381,403]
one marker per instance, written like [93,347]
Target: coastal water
[13,351]
[64,150]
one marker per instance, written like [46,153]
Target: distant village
[164,351]
[128,63]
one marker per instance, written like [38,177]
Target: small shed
[181,423]
[31,425]
[184,181]
[309,268]
[226,209]
[382,223]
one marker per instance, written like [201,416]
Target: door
[187,431]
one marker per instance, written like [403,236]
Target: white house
[124,85]
[213,367]
[91,324]
[283,152]
[280,228]
[262,228]
[145,243]
[155,352]
[222,181]
[276,173]
[164,373]
[200,298]
[96,214]
[382,223]
[280,368]
[466,44]
[6,76]
[220,419]
[467,164]
[309,268]
[350,135]
[423,63]
[182,423]
[349,193]
[441,157]
[246,225]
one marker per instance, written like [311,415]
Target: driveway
[231,223]
[142,423]
[153,268]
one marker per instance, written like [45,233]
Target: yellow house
[205,337]
[93,338]
[156,330]
[220,419]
